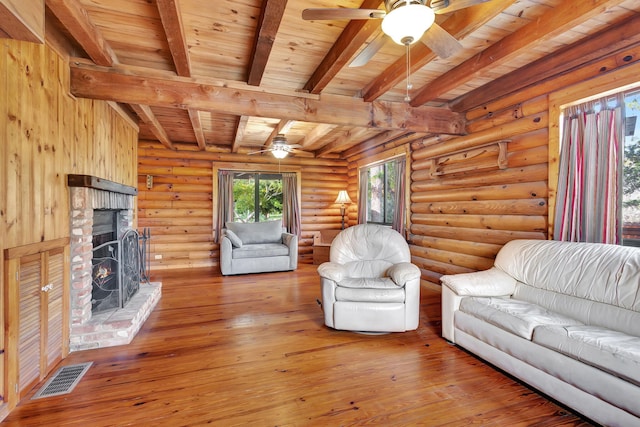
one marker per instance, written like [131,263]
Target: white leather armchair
[369,284]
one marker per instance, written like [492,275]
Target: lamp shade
[343,197]
[406,24]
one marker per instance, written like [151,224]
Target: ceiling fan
[279,147]
[404,21]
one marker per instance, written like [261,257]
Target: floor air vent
[63,381]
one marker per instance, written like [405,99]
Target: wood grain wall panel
[47,134]
[179,208]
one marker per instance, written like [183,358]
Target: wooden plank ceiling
[229,75]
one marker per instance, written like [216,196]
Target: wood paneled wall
[179,208]
[47,134]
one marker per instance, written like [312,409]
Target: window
[257,197]
[631,171]
[381,184]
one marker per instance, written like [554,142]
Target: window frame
[271,176]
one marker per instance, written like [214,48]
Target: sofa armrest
[403,272]
[492,282]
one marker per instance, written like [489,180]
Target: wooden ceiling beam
[460,24]
[239,134]
[174,31]
[196,123]
[22,20]
[603,44]
[147,116]
[565,16]
[339,144]
[350,41]
[376,141]
[316,134]
[76,20]
[124,85]
[281,127]
[268,25]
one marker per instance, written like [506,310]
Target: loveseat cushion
[233,237]
[606,349]
[515,316]
[260,250]
[257,232]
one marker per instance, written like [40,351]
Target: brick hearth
[114,327]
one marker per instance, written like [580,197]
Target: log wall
[179,208]
[47,134]
[472,194]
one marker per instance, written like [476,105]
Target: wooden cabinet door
[35,314]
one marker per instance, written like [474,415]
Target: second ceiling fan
[404,21]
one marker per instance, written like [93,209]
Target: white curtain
[590,173]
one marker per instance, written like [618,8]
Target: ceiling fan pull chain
[407,98]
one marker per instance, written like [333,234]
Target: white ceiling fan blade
[441,42]
[447,6]
[318,14]
[259,151]
[294,146]
[370,50]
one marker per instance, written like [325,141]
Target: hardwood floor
[252,350]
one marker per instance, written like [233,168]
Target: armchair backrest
[369,250]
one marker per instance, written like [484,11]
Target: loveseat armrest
[487,283]
[291,241]
[403,272]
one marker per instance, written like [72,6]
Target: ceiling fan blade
[370,50]
[341,13]
[441,42]
[294,146]
[447,6]
[260,151]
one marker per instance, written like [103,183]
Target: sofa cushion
[257,232]
[606,349]
[598,272]
[233,237]
[515,316]
[260,250]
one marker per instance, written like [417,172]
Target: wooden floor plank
[253,350]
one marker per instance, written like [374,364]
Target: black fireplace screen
[116,272]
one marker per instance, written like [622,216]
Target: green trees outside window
[257,197]
[381,190]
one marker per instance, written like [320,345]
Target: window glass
[257,197]
[381,192]
[631,171]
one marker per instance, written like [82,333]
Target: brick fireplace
[117,326]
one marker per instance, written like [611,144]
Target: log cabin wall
[47,134]
[179,207]
[472,194]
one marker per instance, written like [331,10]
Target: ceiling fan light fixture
[279,150]
[407,23]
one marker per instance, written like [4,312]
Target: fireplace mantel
[96,183]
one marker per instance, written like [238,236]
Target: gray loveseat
[563,317]
[257,247]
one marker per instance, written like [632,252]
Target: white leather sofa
[562,317]
[369,284]
[257,247]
